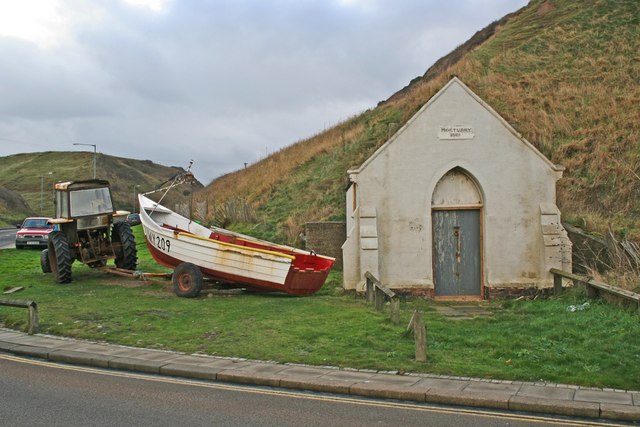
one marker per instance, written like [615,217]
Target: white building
[456,205]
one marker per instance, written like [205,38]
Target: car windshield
[91,202]
[36,223]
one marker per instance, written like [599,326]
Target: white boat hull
[173,239]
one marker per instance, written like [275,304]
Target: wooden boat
[194,251]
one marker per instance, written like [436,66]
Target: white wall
[399,179]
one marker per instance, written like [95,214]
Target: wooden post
[369,289]
[377,293]
[379,299]
[420,333]
[395,310]
[557,284]
[594,288]
[33,324]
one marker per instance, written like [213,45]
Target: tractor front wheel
[59,257]
[187,280]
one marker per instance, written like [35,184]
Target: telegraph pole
[95,154]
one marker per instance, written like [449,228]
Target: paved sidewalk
[507,395]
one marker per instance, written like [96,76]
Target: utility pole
[95,153]
[42,193]
[134,197]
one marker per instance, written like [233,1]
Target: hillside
[10,203]
[565,74]
[26,180]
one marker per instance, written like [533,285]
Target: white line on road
[300,395]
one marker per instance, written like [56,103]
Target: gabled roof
[441,92]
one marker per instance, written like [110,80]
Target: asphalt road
[38,393]
[8,238]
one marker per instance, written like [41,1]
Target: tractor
[87,229]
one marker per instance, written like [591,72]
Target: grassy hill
[26,180]
[565,74]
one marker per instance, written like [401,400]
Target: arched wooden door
[457,237]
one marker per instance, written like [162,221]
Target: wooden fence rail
[378,293]
[593,288]
[33,323]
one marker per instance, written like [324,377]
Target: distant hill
[11,203]
[26,180]
[565,74]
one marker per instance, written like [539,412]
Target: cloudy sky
[222,82]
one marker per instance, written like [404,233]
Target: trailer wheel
[124,246]
[44,261]
[187,280]
[59,257]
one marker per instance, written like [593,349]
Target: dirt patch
[123,284]
[545,8]
[463,312]
[211,335]
[111,278]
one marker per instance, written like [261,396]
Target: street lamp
[42,192]
[95,153]
[134,197]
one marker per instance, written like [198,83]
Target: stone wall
[326,238]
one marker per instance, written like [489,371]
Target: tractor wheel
[59,257]
[187,280]
[44,261]
[124,245]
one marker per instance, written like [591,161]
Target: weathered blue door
[456,252]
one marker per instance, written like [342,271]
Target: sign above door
[455,132]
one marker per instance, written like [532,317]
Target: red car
[34,232]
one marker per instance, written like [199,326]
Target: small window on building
[354,190]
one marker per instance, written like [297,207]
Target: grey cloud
[222,82]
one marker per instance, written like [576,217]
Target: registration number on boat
[159,242]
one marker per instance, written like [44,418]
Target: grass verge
[522,340]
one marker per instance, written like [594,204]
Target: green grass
[313,191]
[567,80]
[523,340]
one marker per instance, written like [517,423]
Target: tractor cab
[88,230]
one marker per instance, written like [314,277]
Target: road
[39,393]
[8,238]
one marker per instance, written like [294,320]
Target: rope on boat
[181,178]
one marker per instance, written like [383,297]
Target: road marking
[299,395]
